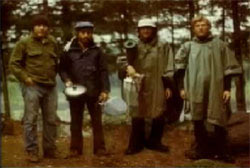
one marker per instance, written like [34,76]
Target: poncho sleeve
[231,65]
[181,58]
[180,63]
[168,72]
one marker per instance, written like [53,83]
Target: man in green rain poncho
[154,59]
[206,64]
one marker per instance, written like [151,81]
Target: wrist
[67,80]
[105,91]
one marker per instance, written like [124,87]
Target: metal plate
[75,90]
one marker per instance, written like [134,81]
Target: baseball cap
[146,23]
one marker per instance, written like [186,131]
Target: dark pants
[211,144]
[137,137]
[201,145]
[76,112]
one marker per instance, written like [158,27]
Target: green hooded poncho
[206,63]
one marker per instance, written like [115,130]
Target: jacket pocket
[33,53]
[52,54]
[53,57]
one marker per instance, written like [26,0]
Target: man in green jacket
[206,64]
[154,60]
[34,62]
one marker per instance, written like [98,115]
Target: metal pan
[75,90]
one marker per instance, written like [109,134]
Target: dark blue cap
[84,24]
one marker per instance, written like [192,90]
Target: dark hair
[40,20]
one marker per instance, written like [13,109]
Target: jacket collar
[207,39]
[75,45]
[43,40]
[153,42]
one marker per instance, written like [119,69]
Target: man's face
[41,30]
[85,35]
[146,33]
[201,29]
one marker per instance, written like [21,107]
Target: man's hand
[226,96]
[29,82]
[168,93]
[103,97]
[183,94]
[130,71]
[68,83]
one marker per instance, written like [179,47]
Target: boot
[154,141]
[200,149]
[221,151]
[137,136]
[32,157]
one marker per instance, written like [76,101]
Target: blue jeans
[36,97]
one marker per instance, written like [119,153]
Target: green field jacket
[37,59]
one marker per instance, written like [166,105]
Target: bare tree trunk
[5,88]
[66,20]
[191,14]
[125,21]
[45,7]
[212,7]
[239,82]
[172,30]
[223,21]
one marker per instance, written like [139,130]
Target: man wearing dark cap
[84,64]
[34,62]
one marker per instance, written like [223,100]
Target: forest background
[115,22]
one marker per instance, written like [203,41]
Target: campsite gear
[131,88]
[114,106]
[131,51]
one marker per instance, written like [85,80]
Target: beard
[146,40]
[87,42]
[149,38]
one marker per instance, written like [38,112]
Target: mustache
[86,39]
[42,31]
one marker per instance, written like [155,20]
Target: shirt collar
[75,45]
[151,43]
[43,40]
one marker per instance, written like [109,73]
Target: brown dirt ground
[116,137]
